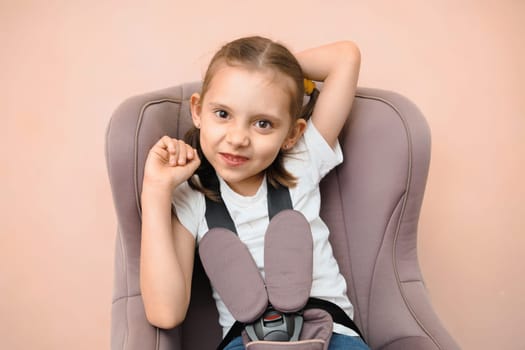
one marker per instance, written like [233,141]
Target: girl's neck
[247,187]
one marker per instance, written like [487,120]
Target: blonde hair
[254,53]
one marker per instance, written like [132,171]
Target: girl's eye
[263,124]
[221,114]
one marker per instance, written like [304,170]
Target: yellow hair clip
[309,86]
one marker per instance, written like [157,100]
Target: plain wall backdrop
[66,65]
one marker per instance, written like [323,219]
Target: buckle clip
[276,326]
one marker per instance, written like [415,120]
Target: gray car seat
[371,204]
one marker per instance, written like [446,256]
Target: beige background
[66,65]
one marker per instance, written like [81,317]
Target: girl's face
[244,121]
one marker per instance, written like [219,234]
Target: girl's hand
[170,162]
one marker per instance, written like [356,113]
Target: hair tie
[309,86]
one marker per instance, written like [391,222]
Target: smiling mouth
[233,160]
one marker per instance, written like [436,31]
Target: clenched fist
[170,162]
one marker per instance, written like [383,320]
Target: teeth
[234,159]
[229,156]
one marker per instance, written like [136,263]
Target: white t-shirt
[311,159]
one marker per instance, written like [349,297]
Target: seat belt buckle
[276,326]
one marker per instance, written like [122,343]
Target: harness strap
[278,199]
[338,316]
[217,215]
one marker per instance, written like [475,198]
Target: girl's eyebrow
[217,105]
[267,116]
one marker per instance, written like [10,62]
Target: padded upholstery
[371,204]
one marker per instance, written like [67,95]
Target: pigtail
[310,90]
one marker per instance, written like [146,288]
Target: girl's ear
[196,108]
[295,134]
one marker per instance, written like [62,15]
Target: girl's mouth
[233,160]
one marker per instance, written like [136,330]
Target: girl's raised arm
[167,248]
[337,65]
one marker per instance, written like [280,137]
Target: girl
[249,128]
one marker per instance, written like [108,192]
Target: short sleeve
[322,157]
[189,207]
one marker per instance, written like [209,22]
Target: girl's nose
[238,136]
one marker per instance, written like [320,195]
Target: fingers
[179,153]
